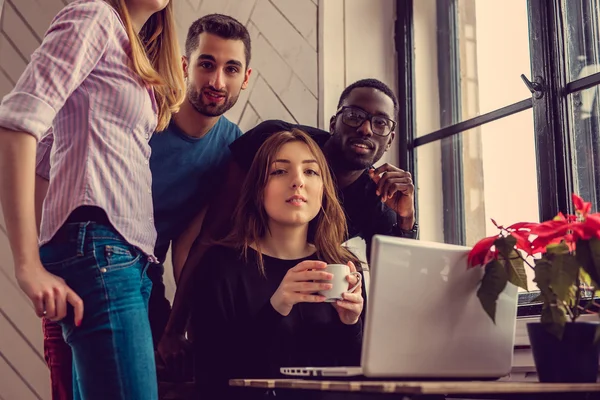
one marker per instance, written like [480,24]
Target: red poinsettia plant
[565,253]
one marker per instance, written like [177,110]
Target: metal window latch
[536,87]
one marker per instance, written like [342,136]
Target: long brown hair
[156,58]
[327,231]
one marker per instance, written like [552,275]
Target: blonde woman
[105,77]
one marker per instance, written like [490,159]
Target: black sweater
[238,334]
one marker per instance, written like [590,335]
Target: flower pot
[572,359]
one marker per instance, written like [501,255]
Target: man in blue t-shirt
[188,156]
[183,175]
[186,159]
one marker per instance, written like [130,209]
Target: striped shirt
[79,85]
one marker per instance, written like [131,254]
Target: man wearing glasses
[376,200]
[362,130]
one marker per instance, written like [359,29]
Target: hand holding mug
[299,285]
[346,293]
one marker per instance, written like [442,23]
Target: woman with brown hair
[256,307]
[105,77]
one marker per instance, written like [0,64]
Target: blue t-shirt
[184,173]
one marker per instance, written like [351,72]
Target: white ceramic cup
[339,282]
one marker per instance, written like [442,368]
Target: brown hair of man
[220,25]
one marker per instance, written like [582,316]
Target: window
[582,37]
[503,113]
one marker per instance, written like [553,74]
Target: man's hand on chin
[396,189]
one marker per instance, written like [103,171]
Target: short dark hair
[220,25]
[370,83]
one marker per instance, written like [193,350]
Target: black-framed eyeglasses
[355,117]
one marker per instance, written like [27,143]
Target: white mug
[339,282]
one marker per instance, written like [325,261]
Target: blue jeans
[113,356]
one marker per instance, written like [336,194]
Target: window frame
[550,113]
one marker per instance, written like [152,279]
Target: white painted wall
[290,82]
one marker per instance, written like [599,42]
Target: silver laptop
[424,319]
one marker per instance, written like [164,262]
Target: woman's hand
[49,293]
[351,307]
[297,286]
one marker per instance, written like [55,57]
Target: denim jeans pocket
[114,255]
[56,257]
[64,261]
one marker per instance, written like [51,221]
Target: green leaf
[588,255]
[554,314]
[558,248]
[565,271]
[571,300]
[493,283]
[505,245]
[512,262]
[554,318]
[584,278]
[543,277]
[594,244]
[516,270]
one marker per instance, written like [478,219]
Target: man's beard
[341,155]
[210,109]
[349,163]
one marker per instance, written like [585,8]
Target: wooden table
[425,390]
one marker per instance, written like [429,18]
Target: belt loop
[81,238]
